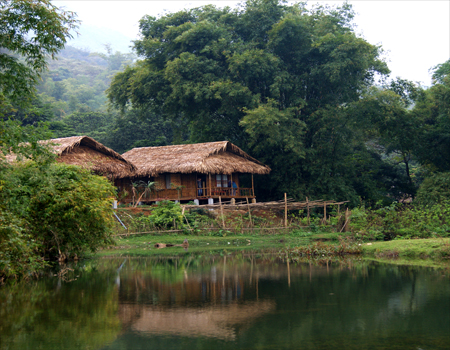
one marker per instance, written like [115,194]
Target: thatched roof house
[85,152]
[206,158]
[192,172]
[88,153]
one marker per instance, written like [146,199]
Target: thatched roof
[88,153]
[208,158]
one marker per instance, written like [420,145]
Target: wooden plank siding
[183,187]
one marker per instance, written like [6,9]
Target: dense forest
[294,87]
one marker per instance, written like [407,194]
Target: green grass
[410,248]
[434,263]
[143,245]
[425,252]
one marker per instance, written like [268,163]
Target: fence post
[307,209]
[221,211]
[285,209]
[249,212]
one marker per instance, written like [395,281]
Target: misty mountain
[94,39]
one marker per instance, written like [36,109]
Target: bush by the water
[401,221]
[167,215]
[50,211]
[346,246]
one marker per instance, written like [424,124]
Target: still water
[245,300]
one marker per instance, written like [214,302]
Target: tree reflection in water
[230,301]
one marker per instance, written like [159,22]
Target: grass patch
[434,263]
[298,243]
[143,245]
[435,248]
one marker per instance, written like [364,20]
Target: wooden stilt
[210,192]
[231,185]
[253,187]
[324,214]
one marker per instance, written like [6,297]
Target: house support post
[210,201]
[231,185]
[253,187]
[210,190]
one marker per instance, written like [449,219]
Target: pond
[240,300]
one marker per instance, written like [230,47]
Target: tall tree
[390,126]
[30,32]
[433,108]
[274,79]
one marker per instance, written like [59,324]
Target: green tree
[59,211]
[30,31]
[433,109]
[441,71]
[275,79]
[389,126]
[435,189]
[137,128]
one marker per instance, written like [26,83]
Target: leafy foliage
[398,221]
[435,189]
[32,30]
[279,89]
[169,215]
[54,211]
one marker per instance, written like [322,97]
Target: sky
[415,35]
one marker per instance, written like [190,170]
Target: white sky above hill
[414,34]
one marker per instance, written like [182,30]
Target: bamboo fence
[287,204]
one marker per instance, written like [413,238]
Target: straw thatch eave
[207,158]
[87,153]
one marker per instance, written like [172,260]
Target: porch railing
[191,194]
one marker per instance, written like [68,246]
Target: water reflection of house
[216,321]
[212,299]
[175,300]
[198,172]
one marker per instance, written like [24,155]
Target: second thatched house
[193,172]
[90,154]
[87,153]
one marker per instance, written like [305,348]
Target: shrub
[167,215]
[53,211]
[398,221]
[434,189]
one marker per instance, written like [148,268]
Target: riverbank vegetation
[48,211]
[293,86]
[367,232]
